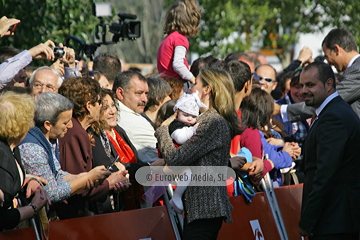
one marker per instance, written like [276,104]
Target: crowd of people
[73,137]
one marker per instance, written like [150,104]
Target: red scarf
[124,151]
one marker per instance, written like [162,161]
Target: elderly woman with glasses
[40,151]
[75,147]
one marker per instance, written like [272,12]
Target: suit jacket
[331,192]
[348,88]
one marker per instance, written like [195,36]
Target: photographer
[13,65]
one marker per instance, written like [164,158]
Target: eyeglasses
[260,78]
[50,87]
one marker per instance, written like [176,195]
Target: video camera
[123,30]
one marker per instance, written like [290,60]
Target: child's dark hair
[183,16]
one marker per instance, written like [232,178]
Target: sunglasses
[260,78]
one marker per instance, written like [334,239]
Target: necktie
[313,119]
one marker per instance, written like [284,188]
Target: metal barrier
[273,214]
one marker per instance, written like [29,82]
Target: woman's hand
[169,120]
[293,149]
[275,141]
[124,184]
[119,181]
[32,184]
[99,173]
[120,166]
[41,199]
[256,168]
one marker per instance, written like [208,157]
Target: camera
[59,52]
[125,29]
[12,28]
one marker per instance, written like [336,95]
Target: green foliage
[47,19]
[273,24]
[226,26]
[229,26]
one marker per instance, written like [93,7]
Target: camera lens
[59,52]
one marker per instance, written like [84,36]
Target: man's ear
[248,86]
[329,83]
[119,93]
[337,49]
[47,125]
[274,85]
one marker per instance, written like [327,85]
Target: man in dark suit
[331,194]
[341,51]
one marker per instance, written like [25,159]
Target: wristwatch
[34,207]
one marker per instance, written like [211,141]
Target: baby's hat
[189,103]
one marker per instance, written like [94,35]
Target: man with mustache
[330,203]
[131,91]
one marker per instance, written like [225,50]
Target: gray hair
[60,78]
[49,106]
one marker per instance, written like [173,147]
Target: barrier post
[266,183]
[176,219]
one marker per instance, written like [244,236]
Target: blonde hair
[17,115]
[222,95]
[183,16]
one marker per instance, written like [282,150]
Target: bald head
[266,75]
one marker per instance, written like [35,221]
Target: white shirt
[327,100]
[139,131]
[352,60]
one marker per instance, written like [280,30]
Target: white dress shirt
[139,131]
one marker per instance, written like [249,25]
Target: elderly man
[45,79]
[131,91]
[330,203]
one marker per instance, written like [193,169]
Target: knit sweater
[210,146]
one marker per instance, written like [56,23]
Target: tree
[229,26]
[234,25]
[47,19]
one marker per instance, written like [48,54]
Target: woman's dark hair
[102,124]
[295,77]
[80,90]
